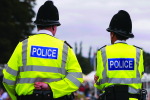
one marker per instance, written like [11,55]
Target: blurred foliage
[84,62]
[15,25]
[146,57]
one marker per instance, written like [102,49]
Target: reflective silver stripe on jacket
[138,54]
[120,80]
[104,59]
[73,80]
[11,71]
[76,74]
[32,80]
[24,52]
[41,69]
[64,59]
[9,82]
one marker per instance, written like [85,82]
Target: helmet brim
[130,35]
[47,23]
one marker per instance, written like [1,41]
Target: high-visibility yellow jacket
[42,58]
[120,64]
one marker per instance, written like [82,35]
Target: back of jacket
[43,58]
[120,64]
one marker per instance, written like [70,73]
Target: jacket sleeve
[73,78]
[99,70]
[141,65]
[11,72]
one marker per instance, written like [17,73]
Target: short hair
[43,27]
[120,37]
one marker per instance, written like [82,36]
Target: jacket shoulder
[102,47]
[67,44]
[137,47]
[25,38]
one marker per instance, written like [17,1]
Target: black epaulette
[23,39]
[67,44]
[102,47]
[137,47]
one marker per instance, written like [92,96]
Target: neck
[113,41]
[49,29]
[117,40]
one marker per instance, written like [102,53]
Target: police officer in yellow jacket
[43,67]
[119,65]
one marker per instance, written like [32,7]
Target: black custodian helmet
[121,24]
[47,15]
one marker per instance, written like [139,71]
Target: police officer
[119,65]
[43,67]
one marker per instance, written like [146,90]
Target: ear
[112,34]
[53,28]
